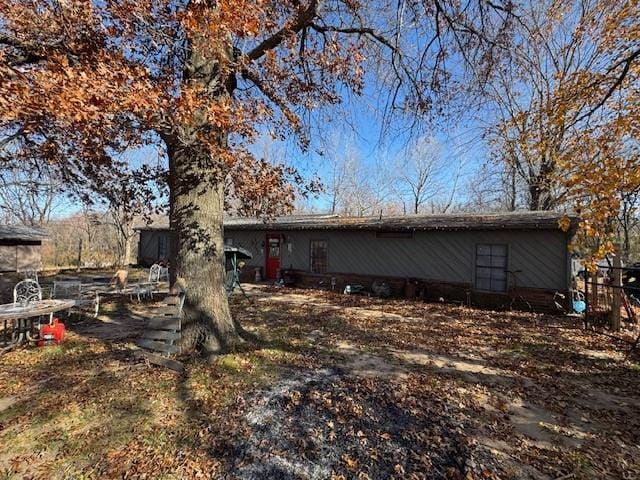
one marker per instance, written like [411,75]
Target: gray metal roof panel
[21,232]
[455,221]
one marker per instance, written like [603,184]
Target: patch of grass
[65,349]
[635,366]
[580,462]
[233,363]
[155,439]
[14,411]
[548,427]
[275,354]
[50,352]
[219,383]
[107,308]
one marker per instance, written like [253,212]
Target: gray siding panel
[438,256]
[253,241]
[148,245]
[444,256]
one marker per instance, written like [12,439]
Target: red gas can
[51,334]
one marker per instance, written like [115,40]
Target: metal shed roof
[455,221]
[20,232]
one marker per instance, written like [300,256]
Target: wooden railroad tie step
[161,361]
[162,333]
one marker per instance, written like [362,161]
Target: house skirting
[541,300]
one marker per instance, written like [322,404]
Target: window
[274,248]
[319,254]
[491,268]
[163,247]
[228,241]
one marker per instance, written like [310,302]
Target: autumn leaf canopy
[81,81]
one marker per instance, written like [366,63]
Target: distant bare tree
[526,130]
[337,184]
[123,221]
[628,219]
[424,176]
[93,228]
[128,203]
[354,186]
[368,186]
[29,193]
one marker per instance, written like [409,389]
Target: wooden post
[616,289]
[586,298]
[79,253]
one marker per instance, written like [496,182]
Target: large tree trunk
[196,182]
[196,217]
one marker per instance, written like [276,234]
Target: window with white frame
[319,254]
[491,267]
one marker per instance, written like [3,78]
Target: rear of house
[466,257]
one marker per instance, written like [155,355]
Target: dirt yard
[339,387]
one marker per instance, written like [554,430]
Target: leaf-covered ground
[339,387]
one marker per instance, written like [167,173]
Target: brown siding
[8,258]
[21,257]
[28,258]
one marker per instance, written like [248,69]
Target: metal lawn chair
[158,273]
[140,291]
[72,289]
[26,291]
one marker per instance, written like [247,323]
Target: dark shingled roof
[454,221]
[20,232]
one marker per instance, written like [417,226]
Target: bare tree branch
[302,19]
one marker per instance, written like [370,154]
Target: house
[477,258]
[20,248]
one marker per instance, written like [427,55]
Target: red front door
[273,256]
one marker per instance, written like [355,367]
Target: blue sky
[355,125]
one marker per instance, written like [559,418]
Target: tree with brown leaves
[81,80]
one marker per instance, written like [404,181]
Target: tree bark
[124,232]
[196,183]
[127,250]
[197,219]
